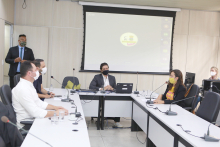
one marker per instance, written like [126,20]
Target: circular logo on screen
[128,39]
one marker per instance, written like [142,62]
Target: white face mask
[213,73]
[37,75]
[44,70]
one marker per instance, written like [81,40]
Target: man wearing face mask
[42,93]
[17,55]
[108,82]
[103,79]
[25,99]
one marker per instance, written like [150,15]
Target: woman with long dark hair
[175,90]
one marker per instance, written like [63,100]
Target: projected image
[128,42]
[128,39]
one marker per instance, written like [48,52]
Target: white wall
[6,15]
[7,46]
[195,48]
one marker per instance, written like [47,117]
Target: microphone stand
[73,91]
[169,112]
[136,92]
[67,99]
[209,138]
[149,101]
[28,132]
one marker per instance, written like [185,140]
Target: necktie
[21,53]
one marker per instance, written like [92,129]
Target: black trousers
[12,85]
[116,119]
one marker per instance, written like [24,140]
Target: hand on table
[108,87]
[46,96]
[158,101]
[52,94]
[61,108]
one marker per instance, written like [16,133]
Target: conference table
[161,130]
[62,134]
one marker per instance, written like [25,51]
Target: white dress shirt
[106,81]
[26,102]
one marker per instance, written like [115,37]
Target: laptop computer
[124,87]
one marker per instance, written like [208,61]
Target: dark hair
[179,82]
[22,35]
[37,62]
[103,64]
[25,67]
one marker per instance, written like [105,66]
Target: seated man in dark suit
[106,81]
[17,55]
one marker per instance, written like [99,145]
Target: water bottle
[56,119]
[53,119]
[51,87]
[143,93]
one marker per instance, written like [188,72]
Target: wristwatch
[48,92]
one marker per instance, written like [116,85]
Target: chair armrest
[27,122]
[187,108]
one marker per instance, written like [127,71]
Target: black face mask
[105,72]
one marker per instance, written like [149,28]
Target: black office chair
[2,143]
[75,80]
[10,134]
[17,79]
[191,103]
[5,93]
[6,96]
[210,107]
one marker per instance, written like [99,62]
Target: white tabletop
[103,94]
[60,134]
[189,121]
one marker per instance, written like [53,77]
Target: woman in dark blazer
[175,90]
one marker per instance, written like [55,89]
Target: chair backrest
[210,107]
[2,143]
[194,91]
[9,133]
[17,79]
[75,80]
[5,92]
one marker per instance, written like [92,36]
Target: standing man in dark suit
[106,81]
[17,55]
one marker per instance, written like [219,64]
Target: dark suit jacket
[178,95]
[98,81]
[14,53]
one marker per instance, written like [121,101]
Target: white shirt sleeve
[34,107]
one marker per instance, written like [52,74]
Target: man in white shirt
[106,81]
[25,99]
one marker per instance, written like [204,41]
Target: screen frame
[116,10]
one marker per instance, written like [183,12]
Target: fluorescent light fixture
[128,6]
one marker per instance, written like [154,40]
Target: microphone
[136,92]
[77,114]
[169,112]
[63,100]
[151,102]
[209,138]
[73,91]
[211,84]
[6,120]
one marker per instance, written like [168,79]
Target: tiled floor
[114,137]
